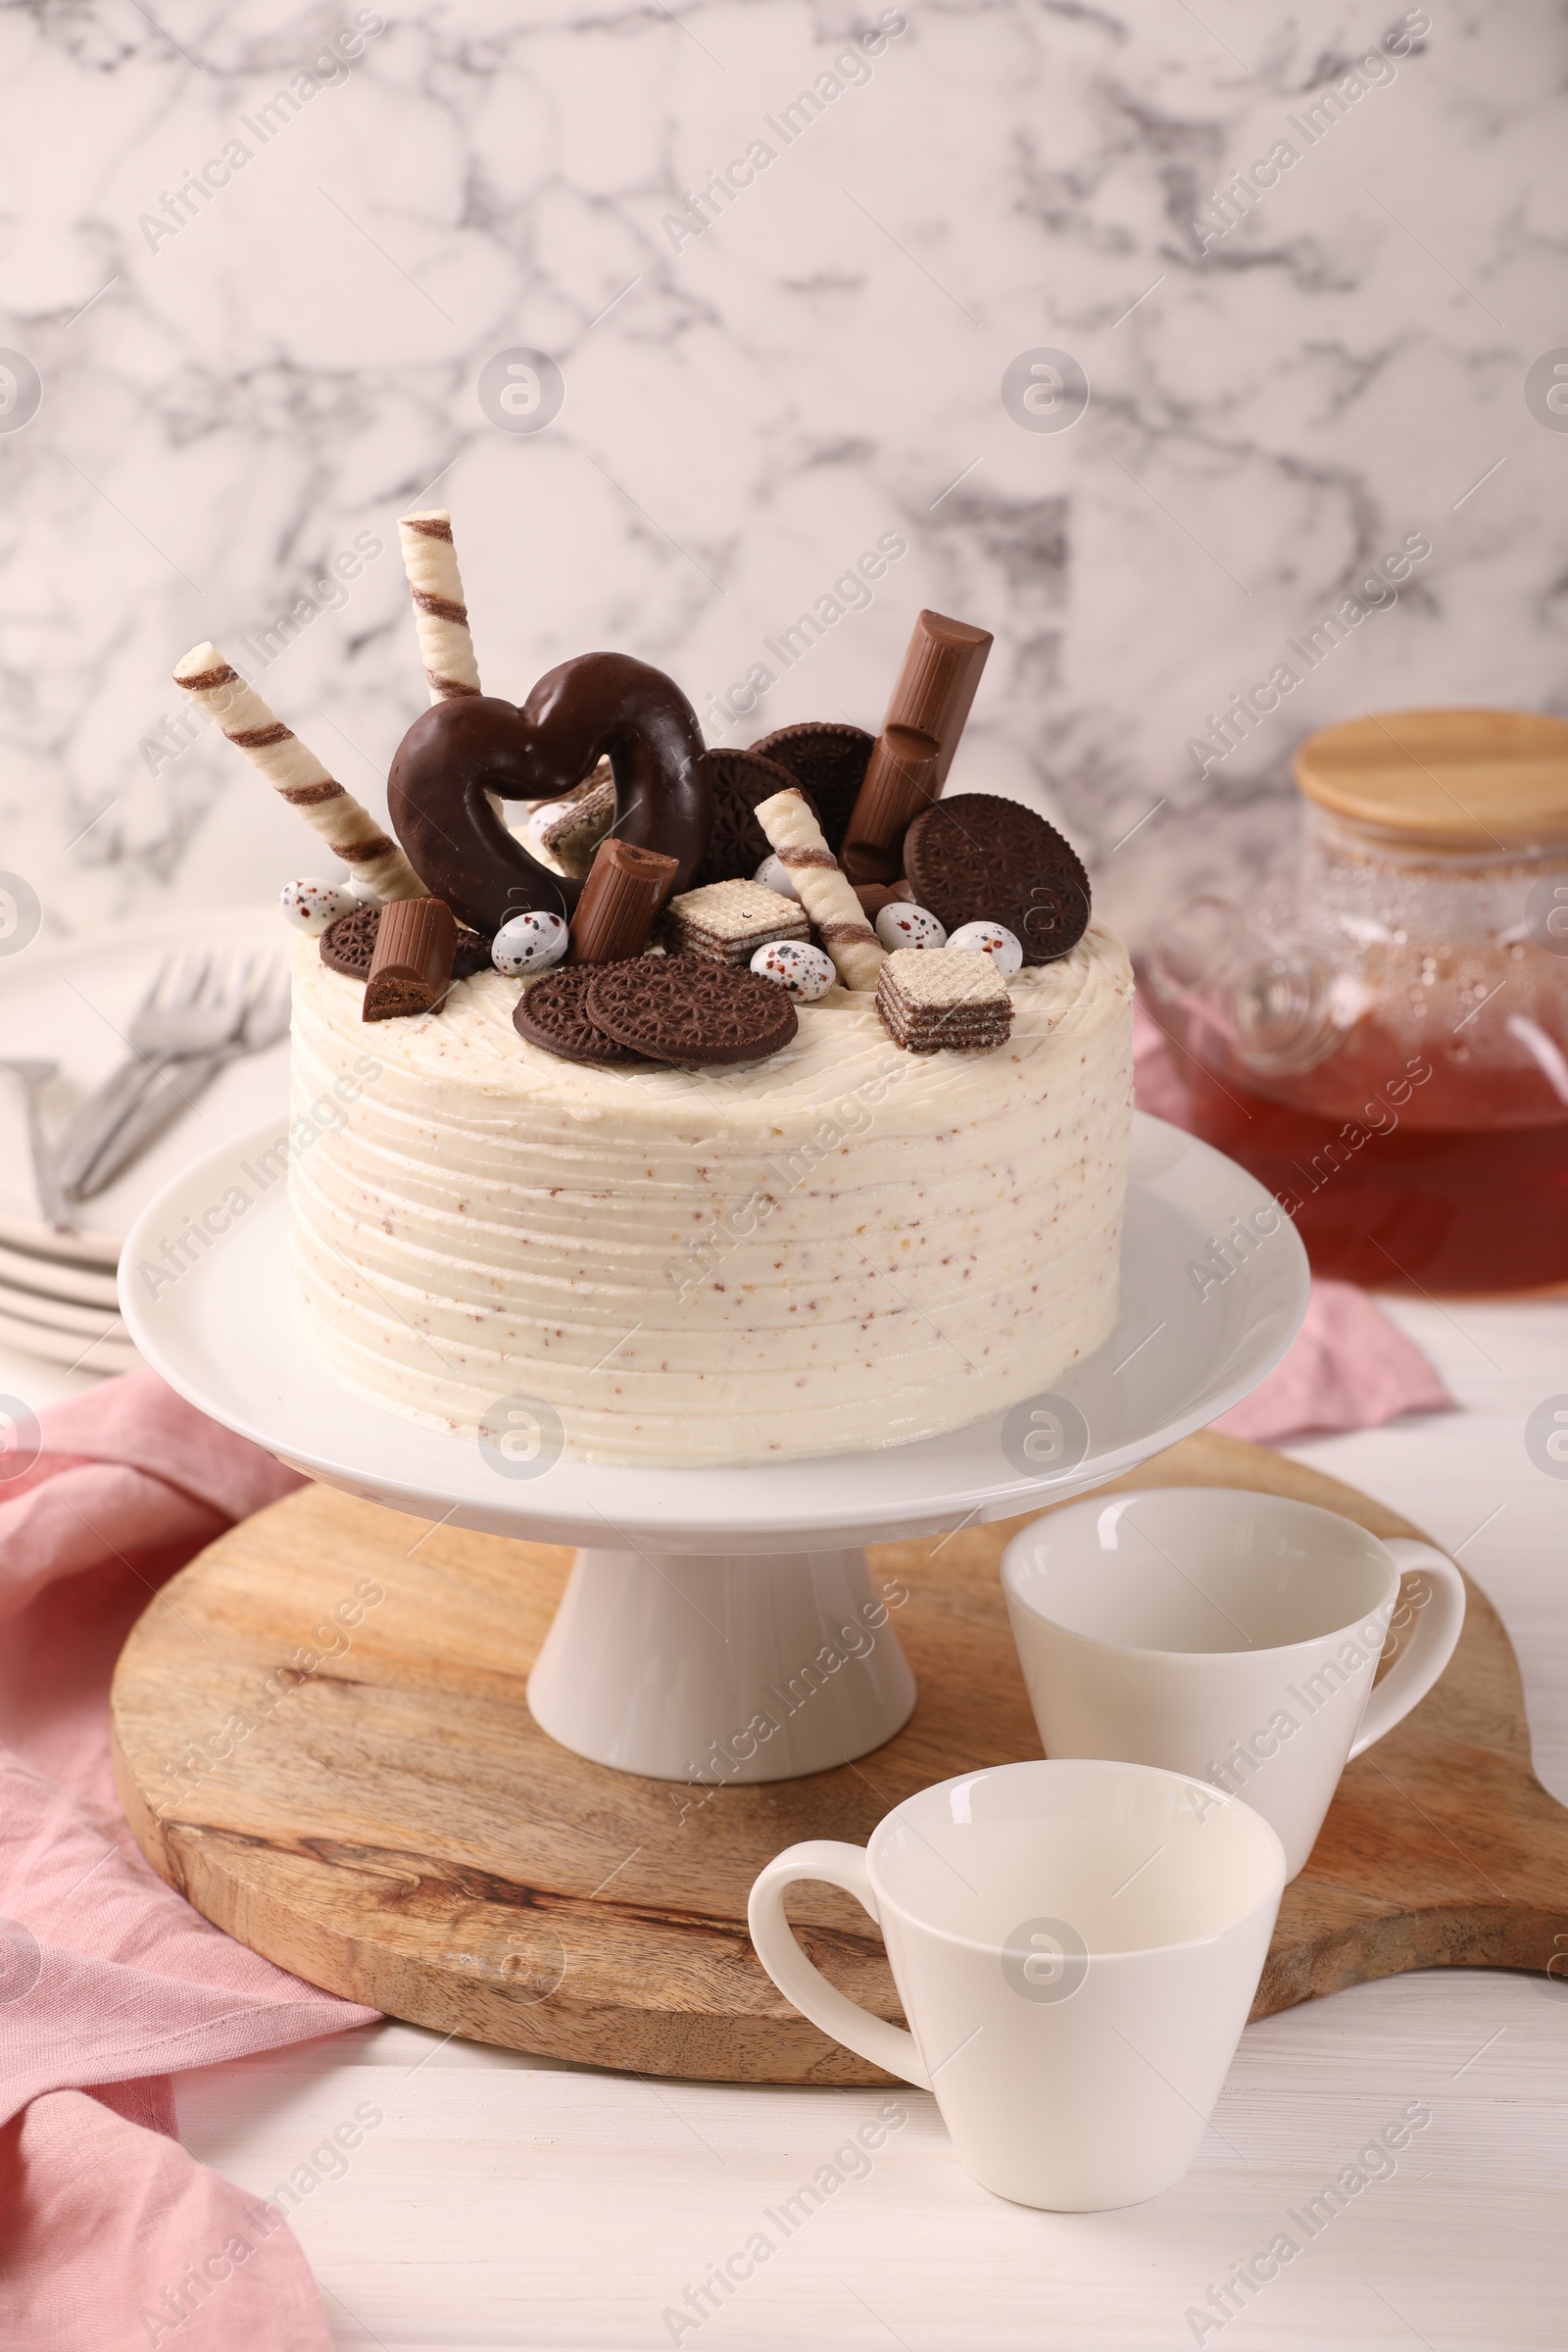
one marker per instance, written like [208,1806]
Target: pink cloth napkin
[111,2236]
[1350,1366]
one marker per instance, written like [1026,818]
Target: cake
[677,1155]
[845,1246]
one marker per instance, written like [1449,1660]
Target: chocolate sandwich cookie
[349,943]
[977,859]
[553,1012]
[690,1009]
[737,844]
[348,946]
[828,761]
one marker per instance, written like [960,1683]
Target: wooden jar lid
[1454,779]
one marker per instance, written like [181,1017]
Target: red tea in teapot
[1389,1052]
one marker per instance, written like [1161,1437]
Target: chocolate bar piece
[874,895]
[935,1000]
[731,920]
[411,963]
[901,779]
[620,899]
[915,749]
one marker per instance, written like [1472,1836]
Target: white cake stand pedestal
[724,1625]
[738,1667]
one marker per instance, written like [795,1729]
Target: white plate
[223,1335]
[71,1005]
[111,1352]
[59,1314]
[51,1277]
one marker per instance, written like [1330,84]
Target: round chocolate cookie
[979,859]
[737,844]
[828,761]
[349,943]
[691,1010]
[553,1012]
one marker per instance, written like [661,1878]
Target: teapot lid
[1459,779]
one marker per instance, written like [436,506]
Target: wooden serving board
[392,1824]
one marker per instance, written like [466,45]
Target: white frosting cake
[845,1246]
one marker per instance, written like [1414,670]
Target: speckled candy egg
[994,940]
[804,972]
[900,926]
[311,905]
[775,875]
[529,943]
[363,893]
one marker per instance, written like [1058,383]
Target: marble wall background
[231,399]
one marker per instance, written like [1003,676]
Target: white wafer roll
[349,830]
[439,613]
[824,888]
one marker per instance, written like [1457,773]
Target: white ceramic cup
[1076,1946]
[1227,1635]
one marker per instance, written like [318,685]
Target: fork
[34,1076]
[174,1086]
[195,1003]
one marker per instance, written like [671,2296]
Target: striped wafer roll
[825,890]
[440,615]
[349,830]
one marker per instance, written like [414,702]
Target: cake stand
[721,1626]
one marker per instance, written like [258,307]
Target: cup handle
[1436,1635]
[804,1986]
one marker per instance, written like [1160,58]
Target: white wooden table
[508,2202]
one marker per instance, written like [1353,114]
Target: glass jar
[1382,1036]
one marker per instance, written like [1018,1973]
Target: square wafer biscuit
[937,1000]
[731,920]
[572,837]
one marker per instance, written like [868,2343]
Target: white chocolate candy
[311,905]
[802,971]
[529,943]
[362,892]
[900,925]
[994,940]
[775,875]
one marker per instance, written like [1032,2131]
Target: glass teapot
[1381,1035]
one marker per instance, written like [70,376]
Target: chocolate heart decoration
[597,706]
